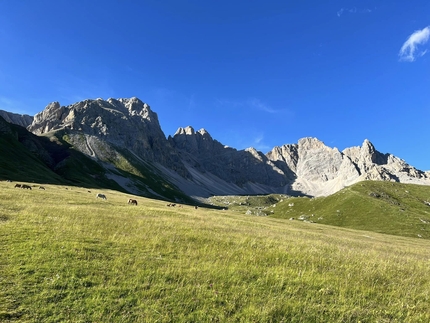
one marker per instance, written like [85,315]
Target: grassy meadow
[378,206]
[67,256]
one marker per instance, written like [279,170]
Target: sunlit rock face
[321,170]
[124,123]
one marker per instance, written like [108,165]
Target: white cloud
[410,51]
[352,10]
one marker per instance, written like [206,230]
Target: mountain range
[119,143]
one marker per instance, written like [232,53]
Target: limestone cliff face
[122,123]
[238,167]
[321,170]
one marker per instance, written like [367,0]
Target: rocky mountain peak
[99,117]
[48,119]
[23,120]
[124,123]
[366,155]
[135,107]
[309,143]
[194,141]
[205,135]
[185,131]
[368,151]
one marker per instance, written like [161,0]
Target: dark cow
[26,187]
[102,196]
[41,188]
[131,201]
[18,185]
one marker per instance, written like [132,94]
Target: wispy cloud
[410,51]
[253,139]
[353,10]
[11,105]
[258,104]
[229,103]
[253,103]
[258,143]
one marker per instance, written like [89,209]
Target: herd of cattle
[24,186]
[103,197]
[98,195]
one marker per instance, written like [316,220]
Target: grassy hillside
[52,159]
[18,163]
[69,257]
[386,207]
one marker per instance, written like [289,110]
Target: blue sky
[253,73]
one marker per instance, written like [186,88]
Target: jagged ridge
[201,166]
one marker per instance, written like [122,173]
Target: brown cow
[26,187]
[131,201]
[18,185]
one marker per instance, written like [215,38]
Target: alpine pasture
[67,256]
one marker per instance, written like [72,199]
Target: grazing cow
[18,185]
[26,187]
[41,188]
[131,201]
[102,196]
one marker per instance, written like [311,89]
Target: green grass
[69,257]
[385,207]
[15,159]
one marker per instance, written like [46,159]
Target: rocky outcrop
[123,124]
[23,120]
[239,167]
